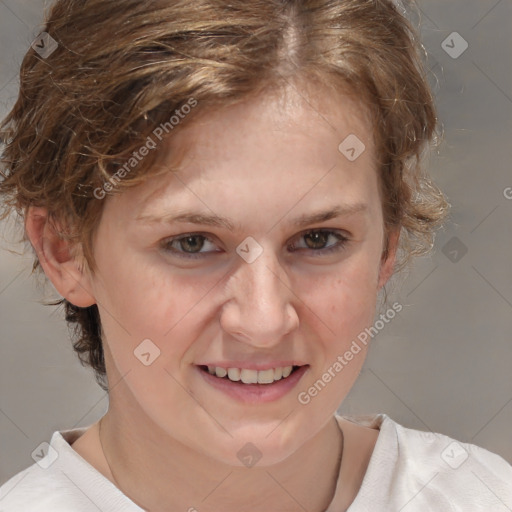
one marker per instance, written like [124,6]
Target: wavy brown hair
[122,66]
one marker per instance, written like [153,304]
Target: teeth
[220,372]
[251,376]
[266,376]
[234,374]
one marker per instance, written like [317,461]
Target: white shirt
[409,471]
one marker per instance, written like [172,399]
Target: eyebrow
[222,222]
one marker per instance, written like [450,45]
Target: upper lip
[253,365]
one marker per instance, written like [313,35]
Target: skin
[169,437]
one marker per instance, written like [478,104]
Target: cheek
[348,296]
[140,301]
[340,310]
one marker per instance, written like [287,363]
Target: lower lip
[255,393]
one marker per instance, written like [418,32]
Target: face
[262,250]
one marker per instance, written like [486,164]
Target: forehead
[289,129]
[276,151]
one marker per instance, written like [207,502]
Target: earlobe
[57,258]
[388,259]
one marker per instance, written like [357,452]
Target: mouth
[250,386]
[247,376]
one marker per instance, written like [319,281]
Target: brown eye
[316,241]
[192,243]
[189,246]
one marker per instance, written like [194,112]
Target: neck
[153,469]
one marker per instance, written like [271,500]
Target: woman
[219,191]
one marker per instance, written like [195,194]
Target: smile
[253,386]
[248,376]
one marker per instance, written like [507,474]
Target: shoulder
[447,455]
[36,490]
[62,481]
[471,476]
[426,469]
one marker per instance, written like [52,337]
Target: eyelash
[342,241]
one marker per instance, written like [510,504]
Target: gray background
[443,364]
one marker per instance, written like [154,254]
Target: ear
[388,257]
[57,258]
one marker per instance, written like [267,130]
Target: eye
[188,246]
[316,240]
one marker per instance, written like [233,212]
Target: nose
[259,310]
